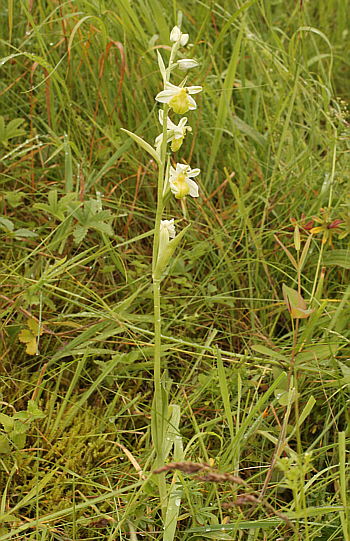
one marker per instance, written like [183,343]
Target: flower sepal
[167,253]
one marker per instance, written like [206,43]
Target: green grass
[271,137]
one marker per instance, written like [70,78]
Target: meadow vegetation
[255,301]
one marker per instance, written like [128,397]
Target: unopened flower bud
[168,227]
[297,238]
[175,34]
[186,64]
[167,232]
[184,39]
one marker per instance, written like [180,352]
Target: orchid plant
[179,181]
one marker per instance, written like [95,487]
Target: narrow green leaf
[291,258]
[68,165]
[243,127]
[270,352]
[161,66]
[167,254]
[225,392]
[224,103]
[144,145]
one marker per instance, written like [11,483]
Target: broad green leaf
[295,303]
[304,414]
[7,422]
[12,128]
[34,326]
[6,224]
[34,411]
[56,208]
[90,217]
[19,440]
[26,233]
[285,397]
[26,337]
[14,198]
[283,385]
[79,233]
[5,448]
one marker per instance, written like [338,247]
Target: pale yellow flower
[180,182]
[179,98]
[175,133]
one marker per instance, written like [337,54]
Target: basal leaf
[25,336]
[31,347]
[26,233]
[104,228]
[6,224]
[79,233]
[19,440]
[34,411]
[34,326]
[14,198]
[6,421]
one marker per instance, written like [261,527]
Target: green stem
[158,400]
[159,436]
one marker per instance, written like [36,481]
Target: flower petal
[192,103]
[193,187]
[193,172]
[194,89]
